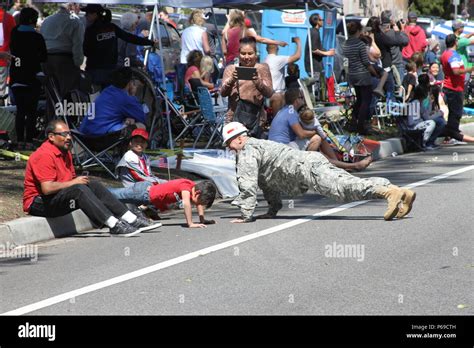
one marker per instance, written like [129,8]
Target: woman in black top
[360,77]
[28,50]
[101,43]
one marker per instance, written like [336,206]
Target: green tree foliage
[439,8]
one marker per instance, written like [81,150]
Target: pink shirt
[189,72]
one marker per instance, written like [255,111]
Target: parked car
[170,41]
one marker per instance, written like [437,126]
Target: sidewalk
[30,230]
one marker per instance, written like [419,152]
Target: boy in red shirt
[143,188]
[185,192]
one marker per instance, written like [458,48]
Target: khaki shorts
[300,144]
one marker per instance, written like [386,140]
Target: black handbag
[248,114]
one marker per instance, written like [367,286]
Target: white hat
[231,130]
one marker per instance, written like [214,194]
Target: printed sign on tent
[293,17]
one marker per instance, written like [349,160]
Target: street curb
[35,229]
[388,148]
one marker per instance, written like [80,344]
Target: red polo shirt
[48,163]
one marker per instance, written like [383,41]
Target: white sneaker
[453,141]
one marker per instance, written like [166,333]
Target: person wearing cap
[453,88]
[416,36]
[134,167]
[143,189]
[462,44]
[101,43]
[278,169]
[386,18]
[386,37]
[431,55]
[135,172]
[53,189]
[63,33]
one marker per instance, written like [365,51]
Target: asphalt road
[421,265]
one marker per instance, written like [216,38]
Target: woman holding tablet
[247,86]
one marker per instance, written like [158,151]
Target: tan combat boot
[407,203]
[394,196]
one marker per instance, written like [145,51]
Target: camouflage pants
[330,181]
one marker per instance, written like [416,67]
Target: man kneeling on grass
[52,188]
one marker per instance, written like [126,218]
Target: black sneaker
[124,229]
[143,224]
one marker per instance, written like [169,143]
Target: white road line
[165,264]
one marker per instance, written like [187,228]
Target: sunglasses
[63,134]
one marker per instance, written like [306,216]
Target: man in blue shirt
[286,127]
[116,107]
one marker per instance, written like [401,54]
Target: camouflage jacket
[275,168]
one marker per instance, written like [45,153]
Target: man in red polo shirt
[52,188]
[453,83]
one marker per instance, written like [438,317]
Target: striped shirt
[356,52]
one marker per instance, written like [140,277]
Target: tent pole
[150,34]
[344,25]
[167,110]
[309,44]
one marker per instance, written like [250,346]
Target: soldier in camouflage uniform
[277,168]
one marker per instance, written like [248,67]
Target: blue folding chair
[213,117]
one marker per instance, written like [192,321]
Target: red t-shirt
[233,43]
[163,194]
[47,163]
[8,23]
[450,59]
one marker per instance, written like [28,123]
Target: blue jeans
[389,87]
[136,194]
[439,129]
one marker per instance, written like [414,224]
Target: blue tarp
[444,29]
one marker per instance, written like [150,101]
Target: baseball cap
[386,16]
[458,25]
[412,15]
[92,8]
[139,132]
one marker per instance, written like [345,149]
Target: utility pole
[455,3]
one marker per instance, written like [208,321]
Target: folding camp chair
[213,117]
[102,150]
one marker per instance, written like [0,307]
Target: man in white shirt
[277,66]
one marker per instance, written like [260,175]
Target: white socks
[129,217]
[111,222]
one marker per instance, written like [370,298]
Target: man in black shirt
[317,48]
